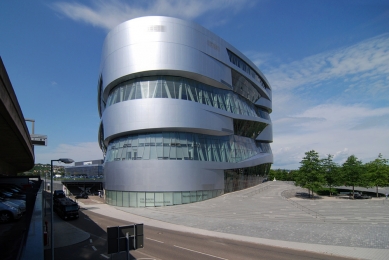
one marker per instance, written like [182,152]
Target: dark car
[82,195]
[66,208]
[58,194]
[362,196]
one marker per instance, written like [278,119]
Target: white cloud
[331,129]
[365,60]
[109,13]
[77,152]
[334,102]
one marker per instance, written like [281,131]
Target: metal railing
[304,209]
[256,191]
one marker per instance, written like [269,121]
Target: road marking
[107,257]
[90,240]
[98,237]
[150,256]
[200,252]
[94,248]
[155,240]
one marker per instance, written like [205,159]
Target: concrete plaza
[270,214]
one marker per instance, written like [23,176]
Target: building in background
[184,115]
[87,169]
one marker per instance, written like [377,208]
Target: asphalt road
[166,244]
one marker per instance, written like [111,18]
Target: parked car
[58,194]
[12,186]
[8,194]
[66,208]
[82,195]
[362,196]
[12,189]
[21,204]
[9,213]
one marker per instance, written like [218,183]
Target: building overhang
[17,151]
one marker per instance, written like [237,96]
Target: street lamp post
[64,160]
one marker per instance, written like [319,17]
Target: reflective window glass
[126,199]
[150,199]
[205,195]
[177,198]
[185,197]
[159,200]
[193,197]
[239,101]
[133,199]
[113,198]
[119,198]
[199,195]
[168,198]
[141,197]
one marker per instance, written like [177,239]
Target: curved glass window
[100,100]
[101,139]
[243,178]
[237,61]
[157,199]
[185,89]
[248,128]
[182,146]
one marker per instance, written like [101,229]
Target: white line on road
[200,252]
[155,240]
[94,248]
[149,256]
[107,257]
[90,240]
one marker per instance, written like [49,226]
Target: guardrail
[305,209]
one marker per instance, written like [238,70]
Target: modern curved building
[184,115]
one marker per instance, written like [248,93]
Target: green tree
[378,172]
[330,172]
[352,172]
[272,175]
[280,175]
[310,173]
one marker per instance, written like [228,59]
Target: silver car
[8,212]
[21,204]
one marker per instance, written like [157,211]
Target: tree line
[323,174]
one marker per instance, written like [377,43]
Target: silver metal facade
[163,46]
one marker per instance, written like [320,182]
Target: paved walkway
[352,228]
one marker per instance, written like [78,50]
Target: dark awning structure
[16,149]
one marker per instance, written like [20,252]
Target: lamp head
[66,160]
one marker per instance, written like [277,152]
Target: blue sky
[327,63]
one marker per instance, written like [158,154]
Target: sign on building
[39,139]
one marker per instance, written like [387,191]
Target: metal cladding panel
[147,115]
[266,135]
[263,102]
[162,175]
[172,175]
[147,58]
[163,43]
